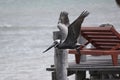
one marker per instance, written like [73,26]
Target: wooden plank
[101,66]
[50,69]
[106,43]
[106,47]
[115,32]
[92,52]
[116,47]
[95,65]
[96,68]
[92,65]
[53,75]
[102,37]
[106,40]
[92,29]
[91,68]
[98,33]
[92,34]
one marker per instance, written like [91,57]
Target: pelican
[73,33]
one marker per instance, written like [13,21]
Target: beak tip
[43,51]
[49,47]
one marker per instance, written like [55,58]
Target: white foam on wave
[6,25]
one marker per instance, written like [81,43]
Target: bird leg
[78,48]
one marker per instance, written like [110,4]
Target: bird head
[64,18]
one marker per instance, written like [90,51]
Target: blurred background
[26,28]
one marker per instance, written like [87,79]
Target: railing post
[80,75]
[82,41]
[60,60]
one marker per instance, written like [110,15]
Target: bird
[73,33]
[118,2]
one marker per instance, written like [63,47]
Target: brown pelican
[118,2]
[73,33]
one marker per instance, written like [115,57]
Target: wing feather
[74,29]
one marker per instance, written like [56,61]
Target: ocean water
[26,28]
[46,13]
[21,56]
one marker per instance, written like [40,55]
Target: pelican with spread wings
[73,33]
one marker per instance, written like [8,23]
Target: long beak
[54,44]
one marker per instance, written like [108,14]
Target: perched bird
[118,2]
[73,33]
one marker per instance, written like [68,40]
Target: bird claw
[78,49]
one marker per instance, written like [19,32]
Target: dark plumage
[118,2]
[64,18]
[73,34]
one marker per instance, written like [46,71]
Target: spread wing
[74,29]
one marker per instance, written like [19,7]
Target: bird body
[64,31]
[73,33]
